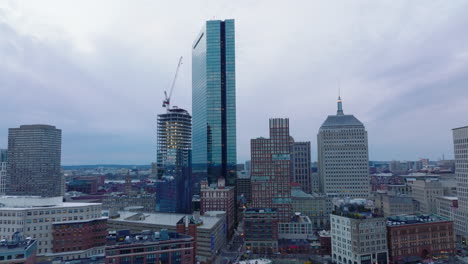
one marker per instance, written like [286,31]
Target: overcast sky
[98,69]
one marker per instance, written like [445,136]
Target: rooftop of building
[401,220]
[35,126]
[450,198]
[324,233]
[18,243]
[255,261]
[37,202]
[209,219]
[260,211]
[341,121]
[298,218]
[463,127]
[124,237]
[298,193]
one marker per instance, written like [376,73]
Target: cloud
[98,71]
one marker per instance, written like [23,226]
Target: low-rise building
[120,202]
[358,235]
[316,206]
[151,247]
[219,198]
[39,217]
[325,242]
[261,230]
[18,250]
[210,233]
[300,227]
[413,238]
[390,203]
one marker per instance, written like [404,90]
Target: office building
[414,238]
[18,250]
[151,247]
[317,207]
[460,142]
[33,167]
[214,103]
[389,203]
[174,157]
[247,167]
[343,157]
[271,170]
[261,230]
[299,228]
[426,192]
[146,202]
[447,207]
[301,165]
[358,235]
[43,219]
[219,198]
[210,228]
[166,195]
[3,168]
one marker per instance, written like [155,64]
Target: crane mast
[167,99]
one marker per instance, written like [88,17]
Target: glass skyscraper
[214,103]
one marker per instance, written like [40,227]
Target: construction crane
[167,100]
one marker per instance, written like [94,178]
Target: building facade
[219,198]
[261,230]
[18,250]
[447,207]
[388,203]
[301,165]
[33,169]
[358,236]
[426,192]
[413,238]
[460,142]
[271,169]
[37,218]
[153,247]
[174,156]
[214,103]
[244,187]
[317,207]
[343,158]
[300,227]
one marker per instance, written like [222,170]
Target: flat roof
[402,220]
[59,206]
[166,219]
[460,127]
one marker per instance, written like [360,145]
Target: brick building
[79,235]
[261,230]
[419,237]
[151,247]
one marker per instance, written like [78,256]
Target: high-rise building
[271,170]
[33,166]
[214,103]
[301,165]
[343,157]
[174,159]
[3,169]
[460,142]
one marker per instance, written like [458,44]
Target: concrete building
[18,250]
[42,218]
[210,233]
[447,207]
[389,203]
[358,236]
[460,142]
[3,171]
[261,230]
[317,207]
[343,157]
[33,169]
[214,103]
[114,203]
[219,198]
[271,169]
[301,171]
[151,247]
[426,193]
[413,238]
[300,227]
[174,158]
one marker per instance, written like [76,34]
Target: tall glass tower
[214,103]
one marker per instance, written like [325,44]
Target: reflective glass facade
[214,103]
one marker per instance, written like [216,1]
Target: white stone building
[343,159]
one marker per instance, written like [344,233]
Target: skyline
[110,86]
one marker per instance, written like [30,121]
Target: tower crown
[340,106]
